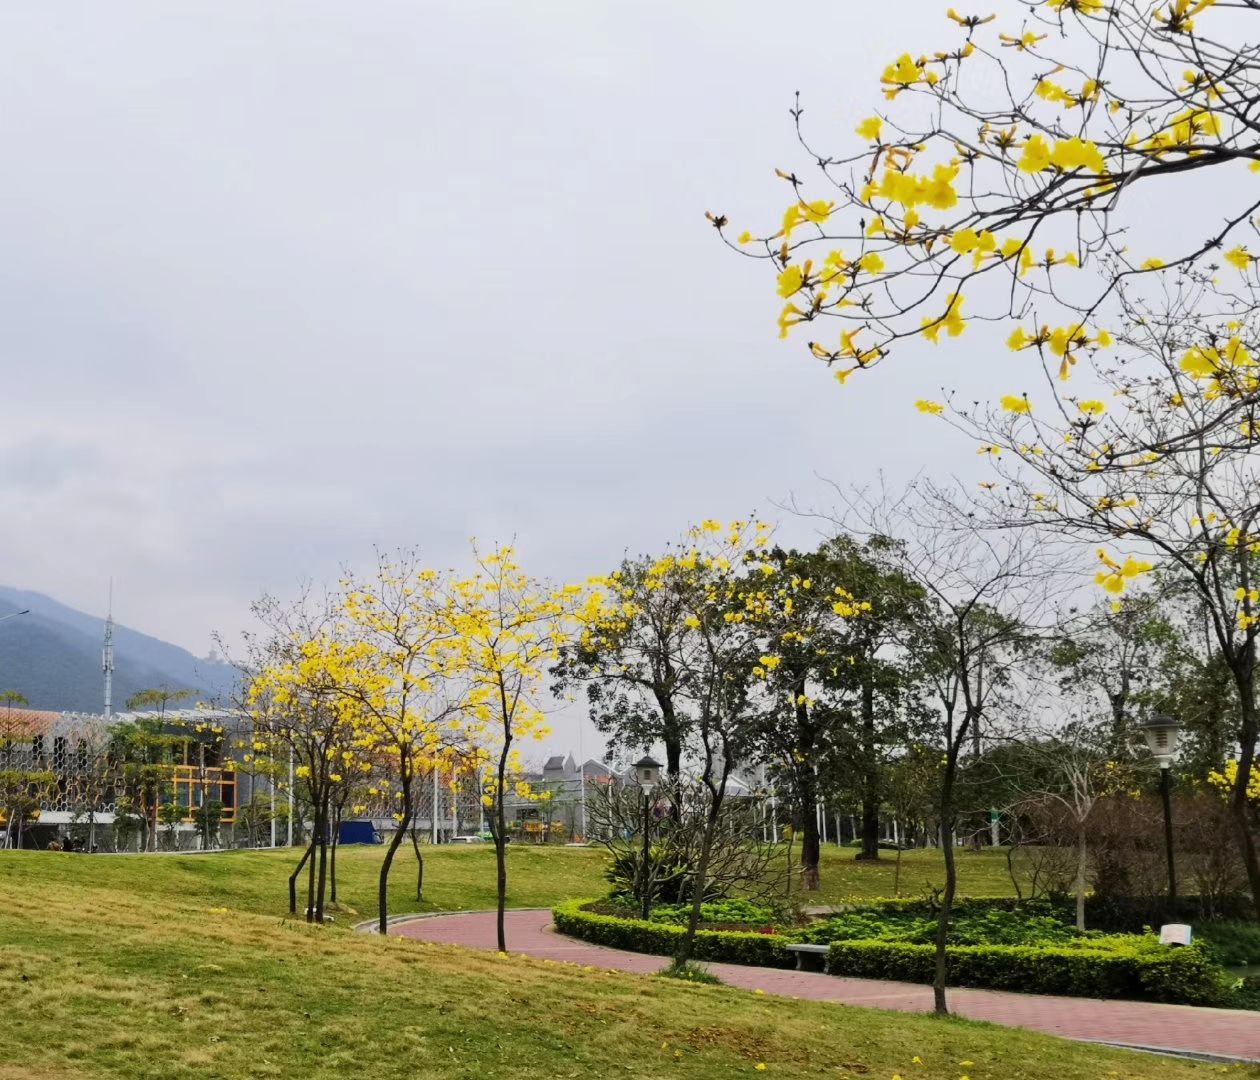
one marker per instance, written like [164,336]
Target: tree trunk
[807,791]
[500,845]
[310,849]
[671,736]
[810,847]
[382,884]
[951,882]
[687,944]
[332,857]
[310,868]
[870,777]
[322,826]
[1082,868]
[415,844]
[1239,796]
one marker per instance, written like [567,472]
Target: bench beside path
[1186,1029]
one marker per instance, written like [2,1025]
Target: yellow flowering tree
[302,719]
[1160,457]
[716,650]
[829,677]
[625,658]
[503,630]
[1005,158]
[404,684]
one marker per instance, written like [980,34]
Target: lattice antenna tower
[107,654]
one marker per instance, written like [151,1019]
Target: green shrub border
[1144,972]
[661,939]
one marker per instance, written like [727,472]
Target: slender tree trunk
[382,885]
[310,869]
[415,844]
[951,883]
[810,846]
[687,944]
[671,736]
[500,839]
[383,880]
[1240,811]
[870,777]
[310,849]
[807,790]
[323,866]
[332,857]
[1082,868]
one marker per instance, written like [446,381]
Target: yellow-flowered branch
[1047,114]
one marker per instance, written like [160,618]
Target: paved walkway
[1224,1032]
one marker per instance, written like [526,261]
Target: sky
[287,280]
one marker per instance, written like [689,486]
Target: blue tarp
[358,832]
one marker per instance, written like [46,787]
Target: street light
[648,774]
[1161,734]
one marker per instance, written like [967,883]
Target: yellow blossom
[870,128]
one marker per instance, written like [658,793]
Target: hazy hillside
[53,656]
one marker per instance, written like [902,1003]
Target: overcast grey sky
[286,280]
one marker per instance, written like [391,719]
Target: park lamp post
[1161,733]
[648,774]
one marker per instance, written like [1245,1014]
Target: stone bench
[810,957]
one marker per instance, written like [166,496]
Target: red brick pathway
[1225,1032]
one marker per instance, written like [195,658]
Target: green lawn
[980,873]
[131,967]
[458,877]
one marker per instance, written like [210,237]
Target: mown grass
[165,968]
[459,878]
[980,873]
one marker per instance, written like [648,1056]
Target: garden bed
[993,945]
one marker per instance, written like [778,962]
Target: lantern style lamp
[648,773]
[1161,732]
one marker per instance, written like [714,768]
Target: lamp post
[648,773]
[1161,734]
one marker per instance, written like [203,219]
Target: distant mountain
[53,657]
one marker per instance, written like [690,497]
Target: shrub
[661,939]
[971,925]
[1105,967]
[730,910]
[671,878]
[689,972]
[1231,943]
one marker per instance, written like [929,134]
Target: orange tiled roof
[23,723]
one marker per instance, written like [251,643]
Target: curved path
[1181,1028]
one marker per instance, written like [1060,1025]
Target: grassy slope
[128,968]
[463,877]
[102,981]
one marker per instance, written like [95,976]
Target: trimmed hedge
[1113,914]
[1142,970]
[661,939]
[1104,967]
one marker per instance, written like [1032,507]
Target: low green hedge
[1108,968]
[661,939]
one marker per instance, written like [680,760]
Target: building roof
[24,723]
